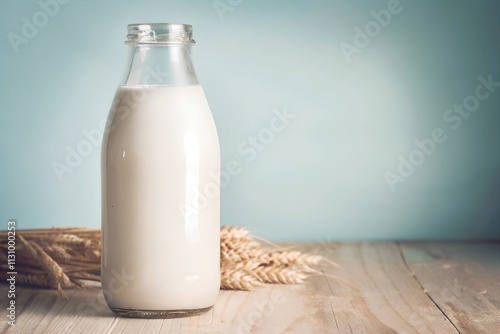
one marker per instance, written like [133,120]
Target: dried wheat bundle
[244,259]
[64,258]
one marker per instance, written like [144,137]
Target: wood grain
[462,279]
[384,287]
[384,297]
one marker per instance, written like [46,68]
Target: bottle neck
[160,65]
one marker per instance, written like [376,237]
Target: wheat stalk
[278,275]
[281,258]
[234,232]
[60,258]
[56,276]
[36,280]
[236,279]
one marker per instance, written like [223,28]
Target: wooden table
[386,287]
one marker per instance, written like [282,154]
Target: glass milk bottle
[160,182]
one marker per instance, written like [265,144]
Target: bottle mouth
[159,33]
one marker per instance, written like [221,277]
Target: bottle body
[160,209]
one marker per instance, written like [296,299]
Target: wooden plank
[278,309]
[85,312]
[463,279]
[381,296]
[34,309]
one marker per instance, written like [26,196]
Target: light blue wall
[323,177]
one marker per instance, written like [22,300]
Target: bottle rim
[159,34]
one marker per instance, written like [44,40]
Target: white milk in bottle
[160,183]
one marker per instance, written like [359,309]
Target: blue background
[323,177]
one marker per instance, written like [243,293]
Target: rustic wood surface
[380,287]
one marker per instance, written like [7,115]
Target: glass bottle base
[169,314]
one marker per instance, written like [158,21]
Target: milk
[160,241]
